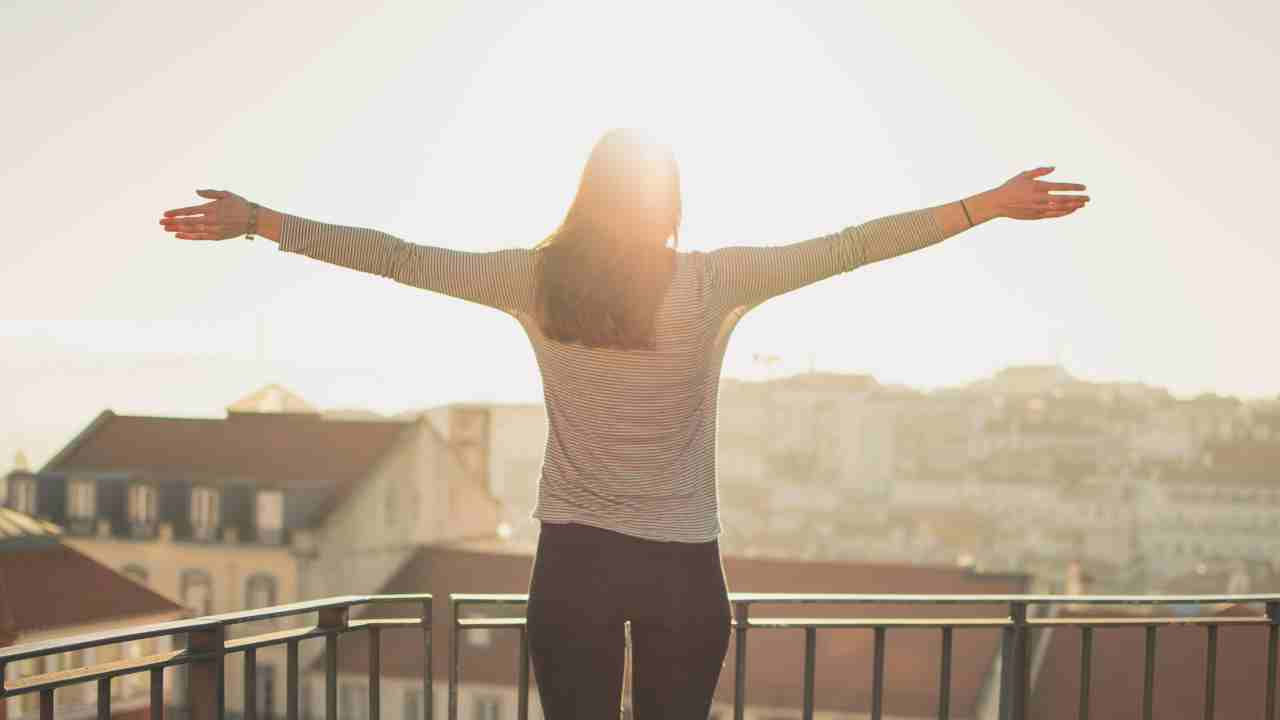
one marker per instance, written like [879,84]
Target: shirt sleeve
[745,276]
[501,279]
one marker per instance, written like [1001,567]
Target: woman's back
[631,433]
[631,439]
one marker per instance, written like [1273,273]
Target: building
[273,503]
[50,590]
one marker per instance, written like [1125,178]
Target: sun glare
[731,110]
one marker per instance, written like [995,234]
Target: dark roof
[49,585]
[1117,675]
[284,449]
[844,657]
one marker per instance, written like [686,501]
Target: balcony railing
[208,644]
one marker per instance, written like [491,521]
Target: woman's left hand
[224,218]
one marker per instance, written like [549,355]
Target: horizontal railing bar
[396,598]
[253,642]
[489,598]
[844,598]
[179,657]
[490,622]
[999,599]
[385,622]
[836,623]
[1141,620]
[36,649]
[931,623]
[112,669]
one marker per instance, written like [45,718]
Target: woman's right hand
[1023,197]
[226,217]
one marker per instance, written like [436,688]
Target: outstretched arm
[745,276]
[500,279]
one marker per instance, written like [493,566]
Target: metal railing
[1014,666]
[208,645]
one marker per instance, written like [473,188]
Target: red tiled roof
[47,585]
[279,448]
[1117,674]
[775,657]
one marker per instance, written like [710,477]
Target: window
[135,572]
[204,512]
[270,509]
[260,591]
[414,705]
[486,707]
[80,500]
[353,701]
[142,504]
[196,589]
[23,492]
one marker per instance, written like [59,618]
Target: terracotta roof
[1117,675]
[282,449]
[49,585]
[844,657]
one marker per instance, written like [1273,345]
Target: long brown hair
[603,272]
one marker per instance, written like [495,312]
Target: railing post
[1024,663]
[944,682]
[206,694]
[157,693]
[455,657]
[1273,636]
[333,621]
[1086,669]
[740,612]
[291,681]
[877,675]
[427,681]
[375,672]
[1013,664]
[250,694]
[522,711]
[46,704]
[1149,674]
[810,657]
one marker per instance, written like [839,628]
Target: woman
[629,334]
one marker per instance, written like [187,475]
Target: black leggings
[586,582]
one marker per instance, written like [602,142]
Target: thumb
[1037,172]
[212,193]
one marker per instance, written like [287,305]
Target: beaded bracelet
[253,221]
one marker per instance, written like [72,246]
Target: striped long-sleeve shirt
[631,438]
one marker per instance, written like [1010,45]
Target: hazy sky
[466,125]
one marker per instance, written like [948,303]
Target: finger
[1044,185]
[188,210]
[193,225]
[197,236]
